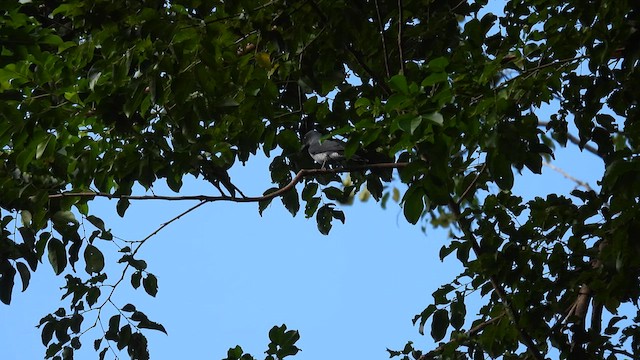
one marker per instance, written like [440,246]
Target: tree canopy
[99,96]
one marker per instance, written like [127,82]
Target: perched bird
[326,151]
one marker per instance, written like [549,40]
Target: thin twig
[400,23]
[384,43]
[352,51]
[527,72]
[472,185]
[568,176]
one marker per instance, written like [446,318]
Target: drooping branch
[206,198]
[385,53]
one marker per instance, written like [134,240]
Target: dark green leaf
[150,284]
[57,255]
[94,259]
[25,275]
[399,83]
[136,278]
[124,336]
[439,324]
[148,324]
[413,204]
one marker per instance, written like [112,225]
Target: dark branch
[525,338]
[574,139]
[472,332]
[384,43]
[472,185]
[206,198]
[353,52]
[400,23]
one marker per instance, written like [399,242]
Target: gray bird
[326,151]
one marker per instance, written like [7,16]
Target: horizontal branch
[575,140]
[207,198]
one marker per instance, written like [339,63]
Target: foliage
[99,96]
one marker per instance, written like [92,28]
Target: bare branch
[206,198]
[353,52]
[472,185]
[400,23]
[384,43]
[568,176]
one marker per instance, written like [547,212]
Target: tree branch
[206,198]
[472,332]
[472,185]
[353,52]
[400,23]
[384,43]
[575,140]
[525,338]
[568,176]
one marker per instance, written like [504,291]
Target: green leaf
[128,308]
[25,275]
[136,278]
[93,294]
[147,324]
[435,117]
[96,221]
[311,206]
[501,171]
[6,282]
[47,332]
[439,324]
[413,204]
[309,191]
[438,65]
[124,336]
[410,124]
[362,105]
[323,219]
[399,83]
[57,255]
[112,330]
[150,284]
[288,141]
[435,78]
[263,204]
[424,316]
[122,206]
[64,218]
[291,201]
[94,259]
[458,313]
[26,217]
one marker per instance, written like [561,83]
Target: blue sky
[227,275]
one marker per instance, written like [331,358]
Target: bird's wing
[327,146]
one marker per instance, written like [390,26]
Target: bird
[326,151]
